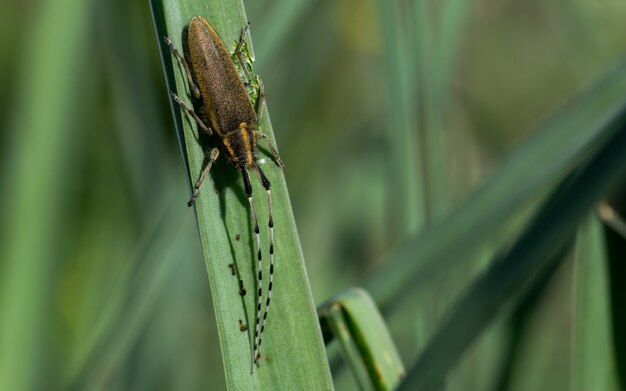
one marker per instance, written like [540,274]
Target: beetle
[227,113]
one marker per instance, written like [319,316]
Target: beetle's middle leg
[191,113]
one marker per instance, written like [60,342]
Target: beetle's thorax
[238,145]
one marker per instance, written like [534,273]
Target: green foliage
[574,131]
[416,151]
[593,364]
[35,187]
[352,318]
[540,245]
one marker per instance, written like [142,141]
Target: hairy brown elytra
[225,111]
[225,102]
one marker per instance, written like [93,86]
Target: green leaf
[593,366]
[436,57]
[293,350]
[573,132]
[353,319]
[404,155]
[615,246]
[35,190]
[542,244]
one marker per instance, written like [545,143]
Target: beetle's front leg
[192,86]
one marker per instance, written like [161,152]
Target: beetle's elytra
[225,111]
[225,102]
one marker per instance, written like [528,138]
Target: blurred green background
[103,283]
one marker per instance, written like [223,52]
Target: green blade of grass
[573,132]
[293,350]
[334,320]
[35,188]
[543,243]
[615,246]
[404,152]
[436,61]
[353,319]
[593,360]
[520,333]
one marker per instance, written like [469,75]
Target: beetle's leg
[191,113]
[261,135]
[242,38]
[261,102]
[239,52]
[192,86]
[205,172]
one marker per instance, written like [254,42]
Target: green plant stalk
[293,351]
[436,61]
[519,323]
[404,151]
[573,132]
[36,187]
[353,319]
[593,359]
[543,242]
[338,326]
